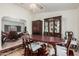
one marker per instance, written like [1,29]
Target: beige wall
[17,12]
[70,20]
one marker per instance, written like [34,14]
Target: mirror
[12,30]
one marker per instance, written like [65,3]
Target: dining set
[40,45]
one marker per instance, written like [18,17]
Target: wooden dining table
[47,39]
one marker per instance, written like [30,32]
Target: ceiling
[48,7]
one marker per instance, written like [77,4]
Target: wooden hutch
[52,26]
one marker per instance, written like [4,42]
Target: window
[12,27]
[6,28]
[18,28]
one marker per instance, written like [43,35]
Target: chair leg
[25,52]
[70,53]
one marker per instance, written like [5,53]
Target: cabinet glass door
[46,27]
[57,26]
[51,27]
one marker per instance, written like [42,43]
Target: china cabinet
[52,26]
[37,27]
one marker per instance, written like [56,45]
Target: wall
[15,11]
[70,20]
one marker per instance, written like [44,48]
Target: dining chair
[74,42]
[63,50]
[30,47]
[26,45]
[67,34]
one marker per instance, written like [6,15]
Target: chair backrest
[26,39]
[68,33]
[26,45]
[68,41]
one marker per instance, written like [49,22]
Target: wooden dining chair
[73,41]
[26,43]
[63,50]
[67,34]
[27,46]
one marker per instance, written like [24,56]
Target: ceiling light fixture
[36,7]
[33,6]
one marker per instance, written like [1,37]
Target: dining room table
[47,39]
